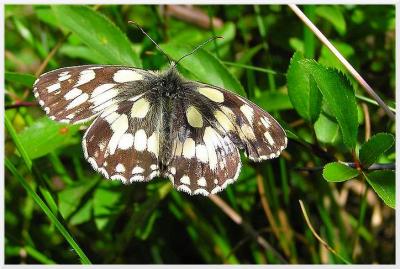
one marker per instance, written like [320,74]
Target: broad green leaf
[46,14]
[71,197]
[82,52]
[205,67]
[383,182]
[326,130]
[303,91]
[338,172]
[273,101]
[24,79]
[338,96]
[98,32]
[106,204]
[45,136]
[334,15]
[374,147]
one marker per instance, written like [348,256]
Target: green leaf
[205,67]
[375,147]
[106,204]
[326,130]
[273,101]
[383,182]
[303,91]
[82,52]
[45,136]
[334,15]
[338,172]
[24,79]
[98,32]
[70,197]
[338,96]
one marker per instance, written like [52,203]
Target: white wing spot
[248,132]
[212,94]
[248,112]
[172,170]
[104,97]
[202,182]
[189,148]
[201,153]
[78,101]
[140,140]
[63,73]
[136,178]
[47,110]
[137,170]
[75,92]
[223,120]
[119,126]
[65,77]
[140,108]
[269,138]
[202,192]
[53,88]
[210,138]
[126,75]
[184,188]
[84,77]
[120,168]
[185,180]
[102,88]
[126,141]
[153,143]
[70,116]
[153,167]
[266,122]
[194,117]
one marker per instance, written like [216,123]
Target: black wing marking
[77,94]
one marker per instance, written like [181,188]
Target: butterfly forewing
[252,129]
[77,94]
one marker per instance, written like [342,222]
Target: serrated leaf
[338,172]
[326,130]
[23,79]
[383,182]
[303,91]
[374,147]
[205,67]
[98,32]
[334,15]
[45,136]
[339,97]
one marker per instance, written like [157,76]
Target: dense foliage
[339,161]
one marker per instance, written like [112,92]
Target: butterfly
[149,124]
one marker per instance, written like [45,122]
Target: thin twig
[325,244]
[230,212]
[375,166]
[21,104]
[343,60]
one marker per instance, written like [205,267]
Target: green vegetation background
[58,210]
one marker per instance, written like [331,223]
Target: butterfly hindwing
[79,93]
[123,142]
[202,160]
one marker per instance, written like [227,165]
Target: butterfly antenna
[158,47]
[198,47]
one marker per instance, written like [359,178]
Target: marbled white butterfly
[149,124]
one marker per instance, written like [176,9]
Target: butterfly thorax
[169,84]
